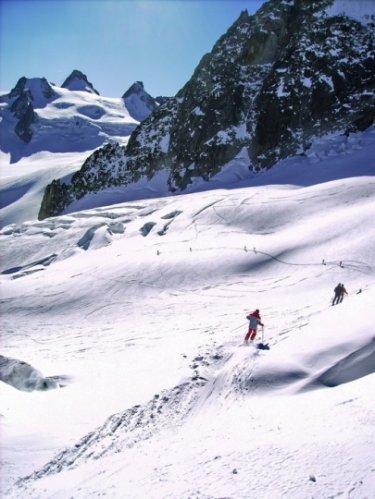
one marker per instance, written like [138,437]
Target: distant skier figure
[337,292]
[254,320]
[342,292]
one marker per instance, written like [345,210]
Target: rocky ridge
[138,102]
[24,98]
[78,81]
[271,83]
[40,116]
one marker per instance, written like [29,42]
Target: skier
[342,292]
[337,292]
[254,319]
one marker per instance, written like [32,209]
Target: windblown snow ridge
[353,366]
[140,422]
[326,369]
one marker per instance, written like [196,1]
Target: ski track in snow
[138,310]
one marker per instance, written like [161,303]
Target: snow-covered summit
[78,81]
[40,116]
[138,102]
[137,311]
[271,85]
[38,90]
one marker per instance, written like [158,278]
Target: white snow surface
[22,185]
[137,105]
[71,121]
[137,311]
[68,129]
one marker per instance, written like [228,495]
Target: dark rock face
[27,95]
[32,87]
[25,112]
[78,81]
[98,171]
[37,116]
[270,84]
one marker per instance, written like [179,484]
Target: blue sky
[114,42]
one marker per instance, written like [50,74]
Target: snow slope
[138,311]
[138,102]
[69,126]
[69,121]
[22,184]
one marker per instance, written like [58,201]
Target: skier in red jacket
[254,320]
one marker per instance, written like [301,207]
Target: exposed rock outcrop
[28,94]
[271,83]
[39,116]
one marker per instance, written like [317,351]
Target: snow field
[161,398]
[22,186]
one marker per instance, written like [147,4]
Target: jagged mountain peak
[137,88]
[28,94]
[38,90]
[37,115]
[295,71]
[78,81]
[244,15]
[138,102]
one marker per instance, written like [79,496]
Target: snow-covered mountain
[273,82]
[123,371]
[78,81]
[65,125]
[39,116]
[137,312]
[138,102]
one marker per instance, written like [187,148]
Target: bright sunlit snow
[137,311]
[68,121]
[70,125]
